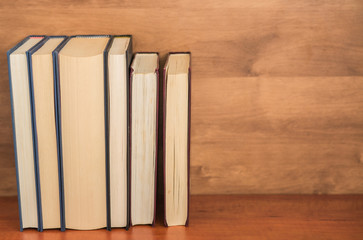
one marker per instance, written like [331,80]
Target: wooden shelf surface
[228,217]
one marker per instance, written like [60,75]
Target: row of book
[85,124]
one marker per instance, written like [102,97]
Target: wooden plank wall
[277,86]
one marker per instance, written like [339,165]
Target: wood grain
[276,86]
[277,135]
[227,217]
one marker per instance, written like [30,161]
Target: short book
[144,88]
[176,136]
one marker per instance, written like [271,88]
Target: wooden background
[277,86]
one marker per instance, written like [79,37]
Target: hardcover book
[82,114]
[25,155]
[119,59]
[42,89]
[176,136]
[144,87]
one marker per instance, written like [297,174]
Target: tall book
[82,112]
[21,106]
[176,136]
[42,88]
[144,85]
[119,59]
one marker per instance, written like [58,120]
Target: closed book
[118,71]
[42,94]
[144,92]
[23,131]
[81,77]
[176,138]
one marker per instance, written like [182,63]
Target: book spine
[164,127]
[129,143]
[156,139]
[189,129]
[128,165]
[57,113]
[34,131]
[107,150]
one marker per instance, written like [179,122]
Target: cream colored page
[143,148]
[118,139]
[176,155]
[83,133]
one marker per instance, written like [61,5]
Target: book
[119,59]
[41,76]
[21,108]
[85,125]
[82,125]
[176,136]
[144,86]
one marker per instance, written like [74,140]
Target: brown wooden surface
[276,86]
[228,217]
